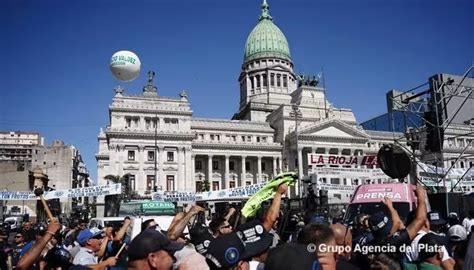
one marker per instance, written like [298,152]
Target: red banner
[319,159]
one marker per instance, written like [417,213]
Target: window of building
[170,182]
[215,185]
[131,155]
[212,137]
[170,156]
[247,166]
[285,81]
[198,165]
[264,81]
[232,184]
[234,138]
[258,80]
[215,165]
[218,137]
[199,186]
[278,80]
[131,182]
[128,121]
[258,139]
[263,166]
[355,182]
[252,83]
[264,139]
[243,138]
[249,138]
[136,120]
[335,181]
[452,164]
[248,183]
[150,180]
[147,123]
[231,165]
[272,79]
[151,155]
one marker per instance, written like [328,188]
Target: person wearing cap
[457,236]
[257,241]
[453,219]
[390,230]
[437,223]
[151,250]
[225,251]
[90,241]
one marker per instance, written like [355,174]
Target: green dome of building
[266,39]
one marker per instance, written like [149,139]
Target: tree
[112,202]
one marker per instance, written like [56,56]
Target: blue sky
[56,80]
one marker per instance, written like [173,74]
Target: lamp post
[296,113]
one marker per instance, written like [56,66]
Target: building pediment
[333,128]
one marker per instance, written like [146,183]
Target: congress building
[158,143]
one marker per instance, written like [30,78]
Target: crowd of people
[381,240]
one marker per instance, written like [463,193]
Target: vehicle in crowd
[139,211]
[368,199]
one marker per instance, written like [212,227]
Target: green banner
[267,192]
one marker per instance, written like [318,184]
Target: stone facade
[282,117]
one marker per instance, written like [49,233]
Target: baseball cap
[87,234]
[457,233]
[255,237]
[380,225]
[58,257]
[200,237]
[225,251]
[291,256]
[435,218]
[150,241]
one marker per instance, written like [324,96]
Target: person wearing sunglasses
[90,241]
[17,247]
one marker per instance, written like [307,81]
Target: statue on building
[150,88]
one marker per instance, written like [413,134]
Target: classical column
[242,172]
[259,169]
[192,182]
[274,167]
[159,172]
[226,172]
[280,168]
[180,183]
[209,171]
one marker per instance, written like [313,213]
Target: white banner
[63,194]
[357,173]
[223,194]
[337,188]
[323,159]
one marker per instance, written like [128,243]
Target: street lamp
[296,113]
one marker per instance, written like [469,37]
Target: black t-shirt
[343,264]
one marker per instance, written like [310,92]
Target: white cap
[457,233]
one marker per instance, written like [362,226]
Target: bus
[147,208]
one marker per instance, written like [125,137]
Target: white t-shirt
[254,265]
[412,253]
[467,224]
[85,257]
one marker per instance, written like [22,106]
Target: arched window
[272,79]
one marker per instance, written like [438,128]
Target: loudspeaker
[394,161]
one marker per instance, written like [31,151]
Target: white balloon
[125,65]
